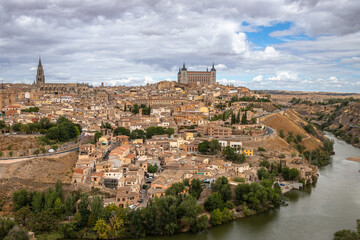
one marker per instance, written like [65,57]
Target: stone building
[194,77]
[57,88]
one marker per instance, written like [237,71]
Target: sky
[304,45]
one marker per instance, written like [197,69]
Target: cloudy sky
[273,44]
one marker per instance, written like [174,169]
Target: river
[315,213]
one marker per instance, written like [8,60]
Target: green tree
[293,174]
[36,152]
[121,131]
[96,206]
[188,212]
[310,129]
[244,118]
[203,147]
[2,124]
[37,201]
[137,134]
[213,202]
[222,186]
[169,131]
[58,206]
[97,136]
[102,229]
[83,211]
[152,168]
[17,233]
[21,199]
[328,145]
[282,135]
[195,188]
[263,173]
[23,216]
[214,146]
[346,235]
[6,224]
[175,189]
[216,217]
[265,163]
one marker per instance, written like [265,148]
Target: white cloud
[284,77]
[258,78]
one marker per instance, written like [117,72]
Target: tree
[152,168]
[23,216]
[195,188]
[96,206]
[188,212]
[121,131]
[345,235]
[214,146]
[216,217]
[293,174]
[58,206]
[203,147]
[244,118]
[213,202]
[97,136]
[170,131]
[55,147]
[241,192]
[310,129]
[201,224]
[36,152]
[2,124]
[16,127]
[328,145]
[83,210]
[222,186]
[137,134]
[263,173]
[37,201]
[21,199]
[6,224]
[17,233]
[265,163]
[281,133]
[175,189]
[70,204]
[102,229]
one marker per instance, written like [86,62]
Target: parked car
[132,207]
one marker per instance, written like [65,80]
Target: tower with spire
[197,77]
[40,77]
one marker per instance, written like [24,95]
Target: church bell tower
[40,77]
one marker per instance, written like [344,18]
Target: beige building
[195,77]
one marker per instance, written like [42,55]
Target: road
[42,155]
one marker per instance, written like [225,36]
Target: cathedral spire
[40,61]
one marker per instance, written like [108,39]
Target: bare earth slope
[291,122]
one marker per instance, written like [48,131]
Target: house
[126,196]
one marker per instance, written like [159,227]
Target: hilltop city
[132,145]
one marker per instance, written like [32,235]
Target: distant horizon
[105,85]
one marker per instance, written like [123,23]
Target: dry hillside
[18,142]
[291,122]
